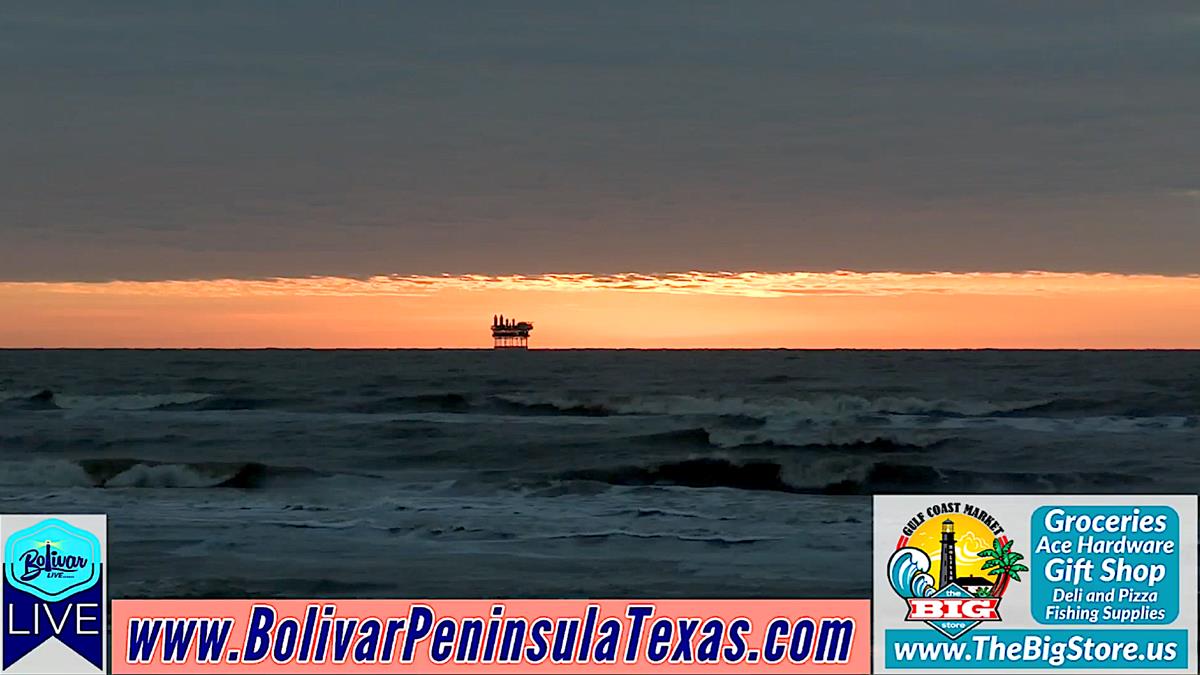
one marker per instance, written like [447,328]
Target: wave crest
[817,409]
[139,473]
[842,475]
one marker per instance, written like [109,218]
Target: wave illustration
[908,573]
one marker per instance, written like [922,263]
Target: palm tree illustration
[1002,563]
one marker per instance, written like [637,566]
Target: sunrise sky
[623,174]
[885,310]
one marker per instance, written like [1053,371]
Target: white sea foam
[43,473]
[162,476]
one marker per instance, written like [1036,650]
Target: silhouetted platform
[510,333]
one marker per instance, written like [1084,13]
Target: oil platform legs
[510,333]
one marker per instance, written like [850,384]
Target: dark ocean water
[559,473]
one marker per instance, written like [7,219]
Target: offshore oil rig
[510,333]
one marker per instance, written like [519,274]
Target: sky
[221,166]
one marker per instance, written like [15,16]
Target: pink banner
[490,636]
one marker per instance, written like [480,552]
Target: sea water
[559,473]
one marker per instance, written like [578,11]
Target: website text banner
[1035,583]
[490,636]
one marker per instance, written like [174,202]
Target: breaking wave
[128,402]
[42,400]
[703,437]
[816,409]
[1144,405]
[696,473]
[449,402]
[846,476]
[883,477]
[139,473]
[47,399]
[771,414]
[209,402]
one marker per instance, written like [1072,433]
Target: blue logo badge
[52,560]
[52,592]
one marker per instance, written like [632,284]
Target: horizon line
[601,349]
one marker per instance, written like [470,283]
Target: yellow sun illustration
[971,536]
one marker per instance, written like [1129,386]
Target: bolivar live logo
[53,594]
[942,564]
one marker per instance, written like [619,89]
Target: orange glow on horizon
[681,310]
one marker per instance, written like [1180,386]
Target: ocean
[475,473]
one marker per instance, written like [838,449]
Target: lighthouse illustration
[924,571]
[949,571]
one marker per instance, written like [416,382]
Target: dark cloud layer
[179,140]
